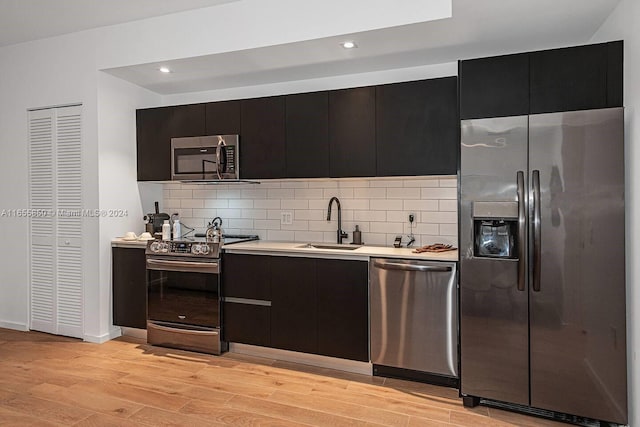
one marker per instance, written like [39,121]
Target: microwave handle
[221,157]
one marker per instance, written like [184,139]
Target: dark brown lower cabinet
[294,313]
[129,283]
[247,324]
[343,309]
[318,306]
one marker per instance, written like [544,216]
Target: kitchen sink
[330,246]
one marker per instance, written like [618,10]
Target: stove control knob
[164,247]
[195,249]
[155,246]
[204,250]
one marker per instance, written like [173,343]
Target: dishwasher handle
[386,265]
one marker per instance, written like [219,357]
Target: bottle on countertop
[166,230]
[177,232]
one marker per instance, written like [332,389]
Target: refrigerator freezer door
[494,331]
[578,345]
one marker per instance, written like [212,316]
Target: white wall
[40,74]
[623,24]
[118,195]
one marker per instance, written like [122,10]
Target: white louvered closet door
[56,240]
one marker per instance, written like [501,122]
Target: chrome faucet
[341,234]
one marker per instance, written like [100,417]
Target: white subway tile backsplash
[240,223]
[386,227]
[353,204]
[367,215]
[205,213]
[380,207]
[440,193]
[253,193]
[274,214]
[309,214]
[308,193]
[191,203]
[294,204]
[425,182]
[294,184]
[403,193]
[205,194]
[422,228]
[229,213]
[340,193]
[370,193]
[216,203]
[267,204]
[267,224]
[449,182]
[386,205]
[386,183]
[439,217]
[448,205]
[353,183]
[281,235]
[229,194]
[420,205]
[309,236]
[281,193]
[449,230]
[254,213]
[296,225]
[180,194]
[240,203]
[323,184]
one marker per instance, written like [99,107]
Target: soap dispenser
[357,237]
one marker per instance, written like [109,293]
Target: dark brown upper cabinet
[576,78]
[155,127]
[417,128]
[352,132]
[307,142]
[494,87]
[262,138]
[223,118]
[567,79]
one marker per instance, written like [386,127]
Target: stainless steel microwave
[214,157]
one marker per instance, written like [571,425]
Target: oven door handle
[184,266]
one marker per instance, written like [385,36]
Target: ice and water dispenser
[495,229]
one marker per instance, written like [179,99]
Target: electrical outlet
[286,218]
[412,218]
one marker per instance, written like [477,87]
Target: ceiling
[477,28]
[26,20]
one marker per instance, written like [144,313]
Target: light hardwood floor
[48,380]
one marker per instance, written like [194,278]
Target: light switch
[286,218]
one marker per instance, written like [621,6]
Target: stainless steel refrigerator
[542,269]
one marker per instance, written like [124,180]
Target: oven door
[183,303]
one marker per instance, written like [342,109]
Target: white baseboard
[99,339]
[353,366]
[14,325]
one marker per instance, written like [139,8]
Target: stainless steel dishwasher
[414,319]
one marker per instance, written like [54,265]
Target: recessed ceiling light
[164,70]
[349,45]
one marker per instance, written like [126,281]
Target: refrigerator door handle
[522,229]
[535,178]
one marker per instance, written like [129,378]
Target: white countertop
[119,242]
[264,247]
[363,252]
